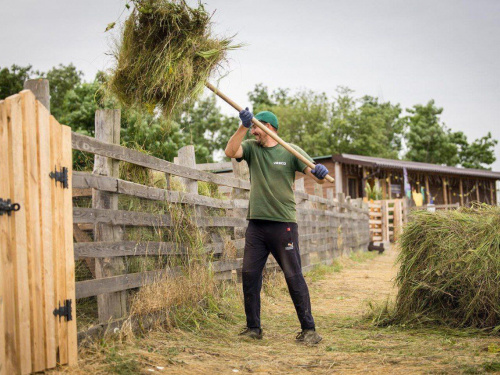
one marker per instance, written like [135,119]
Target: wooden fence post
[107,129]
[340,229]
[39,87]
[242,172]
[187,157]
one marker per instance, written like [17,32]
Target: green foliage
[62,79]
[477,154]
[429,141]
[12,80]
[343,125]
[374,193]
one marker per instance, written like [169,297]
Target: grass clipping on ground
[450,269]
[165,56]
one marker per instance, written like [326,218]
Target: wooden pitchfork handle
[272,134]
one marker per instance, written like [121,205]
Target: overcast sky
[405,52]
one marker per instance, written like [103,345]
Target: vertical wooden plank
[59,255]
[385,220]
[4,242]
[32,182]
[19,350]
[477,191]
[67,161]
[461,187]
[186,157]
[445,191]
[397,219]
[389,187]
[107,129]
[492,188]
[44,164]
[427,190]
[40,88]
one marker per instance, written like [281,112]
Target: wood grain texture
[43,144]
[17,254]
[88,144]
[67,161]
[5,266]
[59,254]
[35,262]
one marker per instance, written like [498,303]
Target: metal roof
[369,161]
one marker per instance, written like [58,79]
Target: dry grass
[166,54]
[450,269]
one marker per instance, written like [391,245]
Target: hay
[166,55]
[450,269]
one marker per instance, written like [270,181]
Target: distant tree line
[319,124]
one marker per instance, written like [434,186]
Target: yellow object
[418,198]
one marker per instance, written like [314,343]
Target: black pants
[282,240]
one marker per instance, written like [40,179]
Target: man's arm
[233,148]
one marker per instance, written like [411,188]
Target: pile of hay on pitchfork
[166,54]
[450,269]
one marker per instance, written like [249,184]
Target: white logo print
[280,162]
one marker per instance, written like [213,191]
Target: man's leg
[254,260]
[285,249]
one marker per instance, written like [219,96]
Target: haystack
[166,55]
[450,268]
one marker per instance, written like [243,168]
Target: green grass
[320,271]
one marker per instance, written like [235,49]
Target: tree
[479,154]
[345,124]
[61,80]
[428,139]
[12,81]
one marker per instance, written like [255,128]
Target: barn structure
[428,183]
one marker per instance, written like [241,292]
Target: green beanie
[268,117]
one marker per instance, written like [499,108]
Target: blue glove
[319,171]
[246,118]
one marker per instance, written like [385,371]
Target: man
[272,226]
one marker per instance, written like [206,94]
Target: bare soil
[351,343]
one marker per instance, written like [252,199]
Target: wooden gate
[37,283]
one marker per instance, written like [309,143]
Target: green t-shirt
[272,173]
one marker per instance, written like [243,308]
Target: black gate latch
[61,176]
[64,311]
[7,206]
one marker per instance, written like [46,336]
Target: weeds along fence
[127,234]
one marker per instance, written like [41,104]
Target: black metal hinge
[64,311]
[61,176]
[7,206]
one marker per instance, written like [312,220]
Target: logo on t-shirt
[280,162]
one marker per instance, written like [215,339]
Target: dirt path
[351,344]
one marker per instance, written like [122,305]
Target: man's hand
[319,171]
[246,118]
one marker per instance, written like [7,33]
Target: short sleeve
[245,145]
[300,165]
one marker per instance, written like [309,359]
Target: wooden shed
[437,184]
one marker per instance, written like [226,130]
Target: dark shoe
[253,333]
[309,336]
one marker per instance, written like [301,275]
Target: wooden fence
[387,218]
[328,227]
